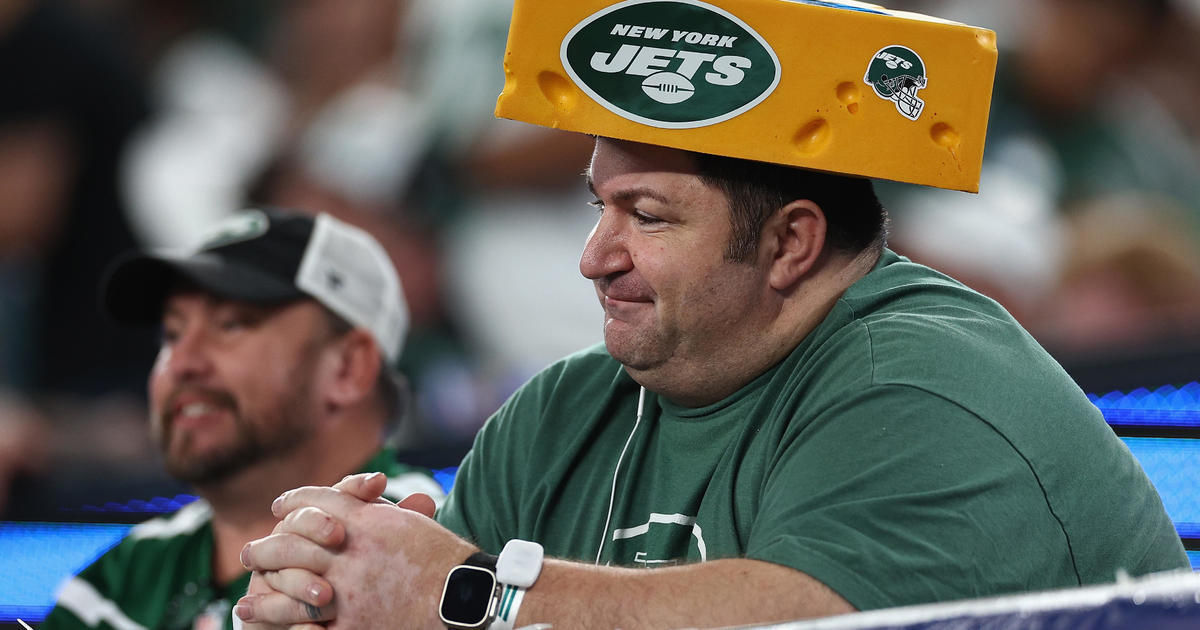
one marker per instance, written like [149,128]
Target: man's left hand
[345,556]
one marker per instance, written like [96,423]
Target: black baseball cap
[270,256]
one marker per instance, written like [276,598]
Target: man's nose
[189,357]
[607,249]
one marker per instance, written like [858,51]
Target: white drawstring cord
[613,495]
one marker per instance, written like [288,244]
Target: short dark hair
[390,386]
[856,220]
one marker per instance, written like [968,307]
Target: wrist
[517,568]
[508,607]
[470,594]
[486,591]
[520,563]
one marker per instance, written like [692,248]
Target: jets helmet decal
[897,73]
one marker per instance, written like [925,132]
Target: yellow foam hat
[845,87]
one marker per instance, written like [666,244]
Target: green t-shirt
[160,575]
[917,446]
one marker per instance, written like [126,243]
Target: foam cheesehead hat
[270,256]
[843,87]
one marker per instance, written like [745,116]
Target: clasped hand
[344,557]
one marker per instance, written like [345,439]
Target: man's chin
[200,475]
[634,356]
[206,469]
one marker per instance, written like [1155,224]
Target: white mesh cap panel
[348,271]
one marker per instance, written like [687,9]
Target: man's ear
[797,234]
[354,364]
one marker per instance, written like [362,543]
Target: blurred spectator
[1075,118]
[280,333]
[521,306]
[1170,73]
[356,128]
[1073,80]
[23,442]
[218,116]
[380,113]
[520,215]
[1131,276]
[70,100]
[357,135]
[322,115]
[1006,242]
[323,103]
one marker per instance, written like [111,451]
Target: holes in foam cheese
[813,137]
[558,91]
[945,136]
[849,94]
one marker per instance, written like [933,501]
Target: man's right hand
[301,593]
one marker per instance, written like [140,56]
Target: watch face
[467,598]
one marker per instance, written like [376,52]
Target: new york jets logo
[670,63]
[239,227]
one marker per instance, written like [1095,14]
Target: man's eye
[597,204]
[232,323]
[168,337]
[645,219]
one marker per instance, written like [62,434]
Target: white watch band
[507,609]
[519,563]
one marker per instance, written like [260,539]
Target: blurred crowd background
[130,123]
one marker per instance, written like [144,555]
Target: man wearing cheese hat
[786,419]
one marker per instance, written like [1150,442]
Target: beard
[271,434]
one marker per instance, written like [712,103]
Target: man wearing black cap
[274,372]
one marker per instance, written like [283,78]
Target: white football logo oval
[668,88]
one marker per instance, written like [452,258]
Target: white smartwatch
[519,563]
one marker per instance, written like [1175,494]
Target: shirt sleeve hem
[850,585]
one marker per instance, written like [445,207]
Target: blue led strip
[1173,466]
[36,557]
[445,477]
[1166,406]
[1188,530]
[157,505]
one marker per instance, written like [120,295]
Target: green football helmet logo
[896,73]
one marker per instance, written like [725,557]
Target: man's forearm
[709,594]
[392,563]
